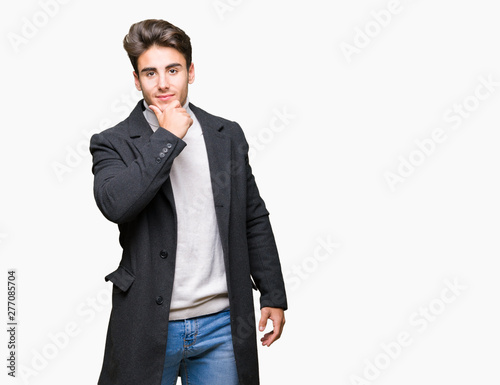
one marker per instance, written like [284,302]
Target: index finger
[281,324]
[278,324]
[174,104]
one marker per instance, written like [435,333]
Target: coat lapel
[219,160]
[138,127]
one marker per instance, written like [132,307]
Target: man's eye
[172,70]
[150,74]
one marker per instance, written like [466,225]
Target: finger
[182,111]
[268,338]
[156,110]
[279,324]
[275,334]
[272,336]
[278,328]
[175,103]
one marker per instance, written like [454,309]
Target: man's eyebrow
[147,69]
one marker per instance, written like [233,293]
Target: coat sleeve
[123,190]
[265,265]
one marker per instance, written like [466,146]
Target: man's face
[163,76]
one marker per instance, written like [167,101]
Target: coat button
[165,149]
[164,254]
[162,155]
[158,160]
[169,145]
[159,300]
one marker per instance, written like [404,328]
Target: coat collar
[138,126]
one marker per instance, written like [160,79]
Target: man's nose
[163,82]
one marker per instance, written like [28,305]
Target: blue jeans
[200,350]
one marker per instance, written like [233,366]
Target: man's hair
[147,33]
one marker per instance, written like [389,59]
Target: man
[195,232]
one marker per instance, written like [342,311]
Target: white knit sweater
[200,285]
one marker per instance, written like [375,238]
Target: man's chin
[162,104]
[159,104]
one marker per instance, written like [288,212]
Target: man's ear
[137,82]
[191,74]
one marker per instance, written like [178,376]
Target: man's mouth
[164,97]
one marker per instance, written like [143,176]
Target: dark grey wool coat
[131,166]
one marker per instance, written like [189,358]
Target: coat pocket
[121,278]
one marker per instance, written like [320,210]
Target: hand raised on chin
[173,118]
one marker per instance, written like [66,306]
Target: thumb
[264,315]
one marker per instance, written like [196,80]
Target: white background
[356,118]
